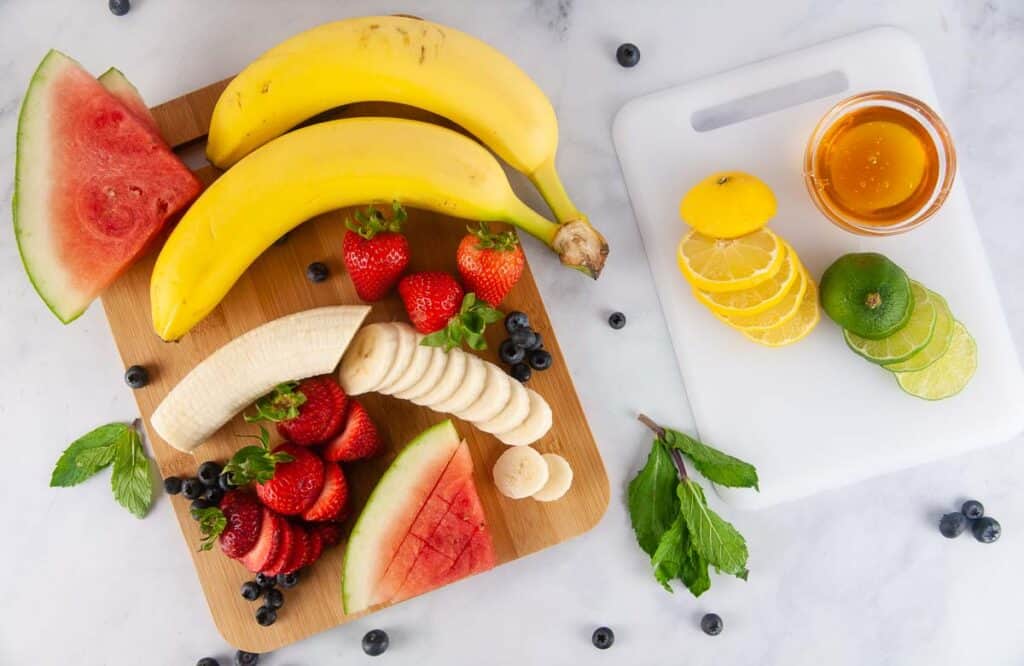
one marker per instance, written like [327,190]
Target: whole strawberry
[437,307]
[375,252]
[296,484]
[243,516]
[307,412]
[490,263]
[357,440]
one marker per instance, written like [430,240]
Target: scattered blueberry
[521,371]
[516,320]
[243,658]
[192,489]
[136,377]
[617,320]
[952,525]
[603,638]
[275,598]
[266,616]
[375,642]
[288,580]
[537,342]
[205,661]
[627,54]
[509,353]
[973,509]
[172,485]
[214,495]
[523,338]
[200,504]
[208,473]
[711,624]
[224,482]
[317,271]
[540,359]
[119,7]
[251,590]
[265,581]
[987,529]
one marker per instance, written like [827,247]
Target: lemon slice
[757,298]
[720,264]
[779,313]
[907,341]
[941,339]
[795,328]
[947,376]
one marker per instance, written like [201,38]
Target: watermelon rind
[118,85]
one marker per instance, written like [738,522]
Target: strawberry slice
[314,547]
[300,545]
[358,439]
[268,546]
[307,412]
[330,533]
[244,520]
[333,498]
[296,484]
[288,539]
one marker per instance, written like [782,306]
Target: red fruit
[300,544]
[358,439]
[268,546]
[306,413]
[374,252]
[296,484]
[314,547]
[330,533]
[490,264]
[431,299]
[288,539]
[244,514]
[333,498]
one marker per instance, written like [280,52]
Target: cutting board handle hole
[769,101]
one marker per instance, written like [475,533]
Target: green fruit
[867,294]
[941,339]
[905,342]
[947,376]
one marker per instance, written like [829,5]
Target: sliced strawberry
[244,514]
[314,547]
[358,439]
[268,546]
[306,413]
[296,484]
[333,498]
[288,540]
[330,533]
[300,544]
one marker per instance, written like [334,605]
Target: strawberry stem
[371,222]
[502,241]
[281,404]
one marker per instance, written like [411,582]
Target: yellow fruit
[758,298]
[795,328]
[715,264]
[779,313]
[728,205]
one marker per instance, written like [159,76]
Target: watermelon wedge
[94,185]
[422,527]
[118,85]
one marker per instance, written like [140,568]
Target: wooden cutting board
[275,285]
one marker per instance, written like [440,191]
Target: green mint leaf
[668,556]
[212,523]
[714,539]
[131,480]
[653,505]
[437,339]
[694,571]
[713,464]
[87,455]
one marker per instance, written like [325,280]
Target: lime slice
[947,376]
[941,339]
[905,342]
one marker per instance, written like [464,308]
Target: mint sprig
[255,463]
[212,523]
[467,326]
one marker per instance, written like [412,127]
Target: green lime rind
[947,376]
[941,339]
[867,294]
[907,341]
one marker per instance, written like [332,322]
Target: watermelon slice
[94,185]
[118,85]
[422,527]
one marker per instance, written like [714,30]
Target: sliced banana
[520,472]
[534,427]
[514,413]
[403,354]
[368,359]
[451,378]
[559,479]
[496,394]
[468,390]
[417,366]
[430,377]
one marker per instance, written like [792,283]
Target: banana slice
[514,413]
[559,479]
[403,354]
[451,379]
[534,427]
[417,366]
[469,390]
[369,358]
[496,394]
[431,376]
[520,472]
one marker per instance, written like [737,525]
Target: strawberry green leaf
[87,455]
[131,479]
[371,222]
[212,523]
[255,463]
[502,241]
[281,404]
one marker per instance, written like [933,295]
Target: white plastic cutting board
[812,416]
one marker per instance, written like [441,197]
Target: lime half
[947,376]
[941,339]
[905,342]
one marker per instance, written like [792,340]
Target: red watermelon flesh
[120,87]
[94,186]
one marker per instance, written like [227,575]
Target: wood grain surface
[276,285]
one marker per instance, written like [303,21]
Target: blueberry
[627,54]
[711,624]
[200,504]
[243,658]
[208,473]
[516,320]
[317,271]
[521,371]
[617,320]
[509,353]
[265,581]
[119,7]
[136,376]
[214,495]
[537,342]
[192,489]
[224,482]
[375,642]
[540,359]
[952,525]
[973,509]
[603,638]
[987,529]
[205,661]
[251,590]
[523,338]
[288,580]
[266,616]
[172,485]
[275,598]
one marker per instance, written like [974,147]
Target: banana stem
[578,244]
[547,182]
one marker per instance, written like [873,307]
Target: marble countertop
[851,577]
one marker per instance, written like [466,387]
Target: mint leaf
[694,571]
[130,479]
[668,557]
[212,523]
[716,466]
[653,505]
[715,540]
[87,455]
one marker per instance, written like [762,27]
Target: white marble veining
[849,578]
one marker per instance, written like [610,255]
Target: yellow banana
[408,61]
[314,170]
